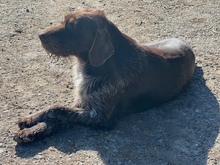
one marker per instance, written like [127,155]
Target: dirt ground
[182,132]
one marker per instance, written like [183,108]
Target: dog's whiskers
[53,56]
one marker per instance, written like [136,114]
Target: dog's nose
[42,37]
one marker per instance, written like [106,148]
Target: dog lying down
[115,75]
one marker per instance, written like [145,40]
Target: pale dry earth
[182,132]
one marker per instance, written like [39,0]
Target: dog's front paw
[30,134]
[25,122]
[29,121]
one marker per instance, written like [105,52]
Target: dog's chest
[85,87]
[81,84]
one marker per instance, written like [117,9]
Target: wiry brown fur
[115,76]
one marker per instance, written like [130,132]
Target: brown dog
[115,75]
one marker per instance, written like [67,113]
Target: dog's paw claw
[21,138]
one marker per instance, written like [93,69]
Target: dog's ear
[102,48]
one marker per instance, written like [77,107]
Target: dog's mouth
[52,47]
[53,51]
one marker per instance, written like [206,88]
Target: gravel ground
[182,132]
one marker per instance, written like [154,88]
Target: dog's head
[83,34]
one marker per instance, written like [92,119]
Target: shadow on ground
[179,132]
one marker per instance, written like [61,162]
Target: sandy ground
[182,132]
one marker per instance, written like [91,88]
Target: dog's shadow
[179,132]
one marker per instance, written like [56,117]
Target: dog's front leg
[97,110]
[42,124]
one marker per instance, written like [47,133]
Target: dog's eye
[70,23]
